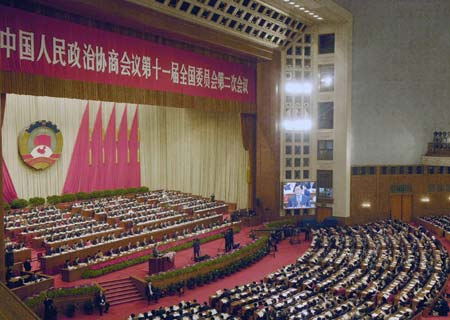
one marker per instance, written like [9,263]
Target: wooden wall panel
[323,212]
[21,83]
[268,188]
[364,189]
[376,189]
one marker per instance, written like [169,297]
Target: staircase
[120,291]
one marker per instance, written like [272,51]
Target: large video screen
[299,195]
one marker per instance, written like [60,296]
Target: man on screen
[301,199]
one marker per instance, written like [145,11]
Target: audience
[349,272]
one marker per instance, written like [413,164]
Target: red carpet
[286,254]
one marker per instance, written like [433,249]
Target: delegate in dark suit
[299,201]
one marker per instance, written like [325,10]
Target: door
[407,208]
[396,207]
[401,207]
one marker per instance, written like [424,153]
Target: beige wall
[341,97]
[401,76]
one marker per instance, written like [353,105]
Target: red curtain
[134,177]
[109,147]
[122,152]
[79,164]
[9,191]
[96,155]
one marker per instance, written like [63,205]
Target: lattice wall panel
[296,154]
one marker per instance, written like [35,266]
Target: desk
[217,209]
[72,274]
[30,289]
[161,263]
[22,254]
[72,241]
[52,264]
[87,213]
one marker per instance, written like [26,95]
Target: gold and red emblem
[40,145]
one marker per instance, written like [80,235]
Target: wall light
[425,199]
[298,87]
[297,125]
[366,205]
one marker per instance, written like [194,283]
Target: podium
[161,263]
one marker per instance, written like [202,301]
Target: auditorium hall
[225,159]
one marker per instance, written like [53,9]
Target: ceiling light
[311,13]
[425,199]
[302,8]
[326,81]
[306,11]
[366,205]
[297,5]
[298,124]
[292,2]
[298,87]
[319,18]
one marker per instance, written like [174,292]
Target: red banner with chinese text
[35,44]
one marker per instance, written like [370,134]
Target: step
[105,283]
[130,291]
[117,288]
[115,284]
[125,300]
[121,289]
[123,296]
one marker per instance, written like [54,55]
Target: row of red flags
[105,162]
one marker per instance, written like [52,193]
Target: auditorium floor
[286,254]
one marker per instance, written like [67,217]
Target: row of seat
[383,270]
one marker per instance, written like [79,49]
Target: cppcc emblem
[40,145]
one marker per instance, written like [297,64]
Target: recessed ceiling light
[311,13]
[306,11]
[302,8]
[319,18]
[292,2]
[297,5]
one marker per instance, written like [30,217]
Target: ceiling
[247,28]
[272,23]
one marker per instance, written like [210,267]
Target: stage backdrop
[182,149]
